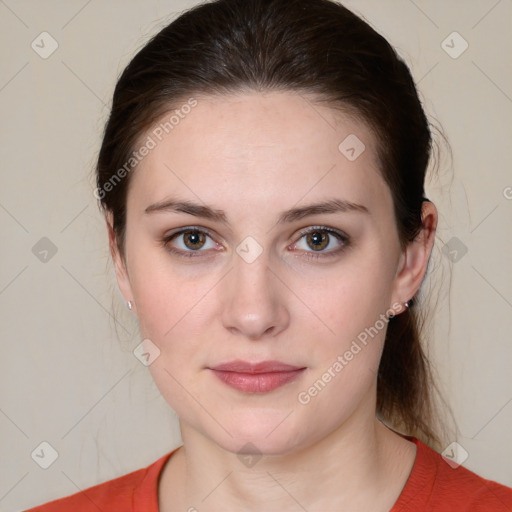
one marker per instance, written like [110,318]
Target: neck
[360,466]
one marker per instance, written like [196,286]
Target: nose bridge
[254,303]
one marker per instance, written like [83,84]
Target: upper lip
[261,367]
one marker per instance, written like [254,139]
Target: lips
[260,377]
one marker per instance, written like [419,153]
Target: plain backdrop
[68,375]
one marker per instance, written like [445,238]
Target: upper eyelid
[332,231]
[181,231]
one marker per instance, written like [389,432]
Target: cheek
[174,311]
[353,305]
[164,297]
[347,300]
[346,362]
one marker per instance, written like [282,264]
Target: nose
[254,301]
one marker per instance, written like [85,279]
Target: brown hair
[311,46]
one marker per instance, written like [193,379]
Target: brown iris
[196,238]
[317,240]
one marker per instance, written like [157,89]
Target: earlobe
[122,277]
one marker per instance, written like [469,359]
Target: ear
[123,279]
[414,259]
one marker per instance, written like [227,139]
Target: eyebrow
[330,206]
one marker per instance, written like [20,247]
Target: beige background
[68,375]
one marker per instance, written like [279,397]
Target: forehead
[265,145]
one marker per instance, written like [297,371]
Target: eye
[192,241]
[189,241]
[319,238]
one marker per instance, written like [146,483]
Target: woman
[262,178]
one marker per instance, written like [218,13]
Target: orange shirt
[433,485]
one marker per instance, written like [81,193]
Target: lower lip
[257,382]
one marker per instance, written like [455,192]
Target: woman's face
[237,277]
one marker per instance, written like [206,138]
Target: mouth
[260,377]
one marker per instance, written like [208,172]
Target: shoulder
[460,485]
[436,483]
[139,487]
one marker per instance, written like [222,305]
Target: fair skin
[254,156]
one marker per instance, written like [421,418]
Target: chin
[257,445]
[268,435]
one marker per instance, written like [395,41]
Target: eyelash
[310,255]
